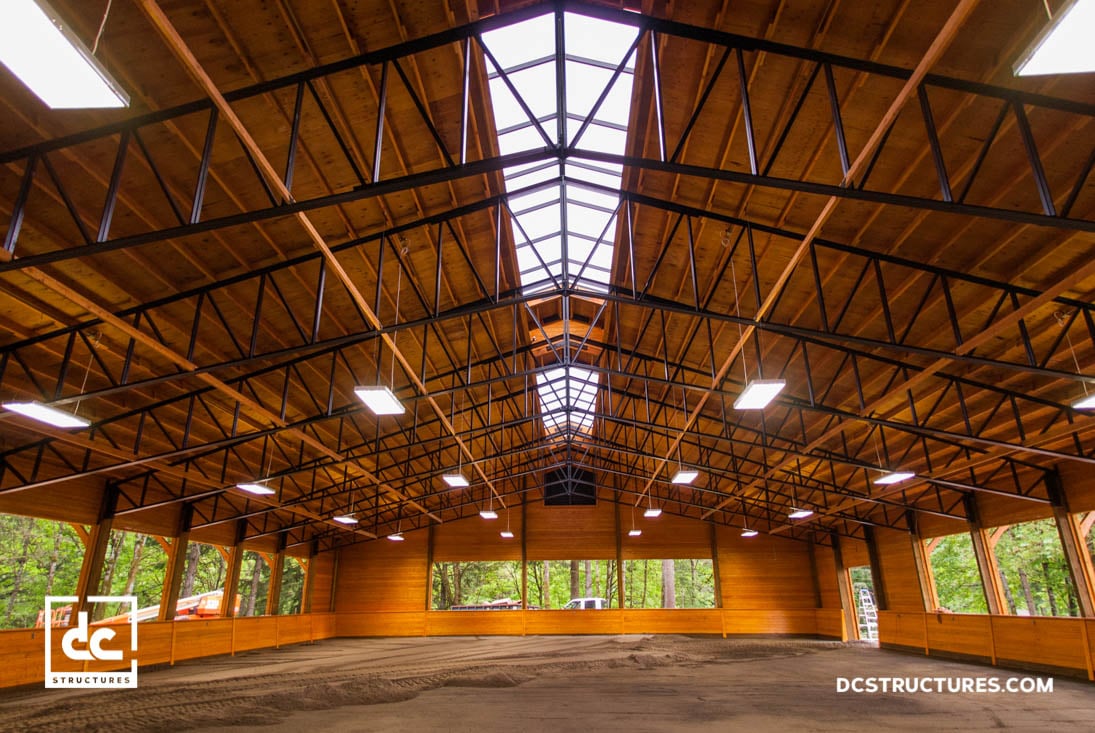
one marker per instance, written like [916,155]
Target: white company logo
[96,647]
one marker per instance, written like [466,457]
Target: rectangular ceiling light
[47,56]
[1065,46]
[380,400]
[260,489]
[397,537]
[1087,403]
[758,393]
[506,534]
[635,533]
[49,415]
[800,514]
[455,480]
[749,533]
[894,477]
[346,519]
[685,476]
[651,513]
[488,514]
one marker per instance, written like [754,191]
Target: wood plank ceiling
[857,198]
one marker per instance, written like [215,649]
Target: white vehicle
[586,603]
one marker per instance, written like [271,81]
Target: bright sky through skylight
[525,52]
[549,254]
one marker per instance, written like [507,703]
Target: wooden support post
[619,557]
[814,581]
[1074,545]
[307,591]
[922,563]
[844,589]
[273,591]
[524,554]
[95,546]
[715,564]
[176,565]
[986,560]
[429,566]
[880,598]
[232,572]
[336,564]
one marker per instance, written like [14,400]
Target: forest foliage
[551,584]
[39,557]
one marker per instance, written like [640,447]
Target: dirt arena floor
[556,684]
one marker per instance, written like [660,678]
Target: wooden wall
[22,651]
[767,582]
[383,575]
[764,572]
[898,570]
[1055,645]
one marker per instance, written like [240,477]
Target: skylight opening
[525,54]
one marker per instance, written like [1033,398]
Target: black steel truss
[187,446]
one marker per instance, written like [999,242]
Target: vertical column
[176,564]
[881,600]
[91,570]
[922,563]
[715,564]
[309,579]
[232,572]
[813,574]
[429,566]
[844,589]
[273,593]
[986,560]
[334,580]
[524,553]
[619,555]
[1074,545]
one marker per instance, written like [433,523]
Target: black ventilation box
[570,487]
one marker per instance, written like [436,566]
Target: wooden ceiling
[307,196]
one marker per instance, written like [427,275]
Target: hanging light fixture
[651,510]
[489,512]
[396,537]
[758,393]
[745,531]
[380,398]
[49,58]
[256,488]
[634,531]
[1087,402]
[506,533]
[48,415]
[260,488]
[1064,46]
[685,475]
[455,480]
[346,519]
[893,477]
[800,513]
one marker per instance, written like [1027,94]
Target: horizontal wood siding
[571,533]
[22,651]
[383,575]
[1038,642]
[899,570]
[764,572]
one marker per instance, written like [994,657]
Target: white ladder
[868,615]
